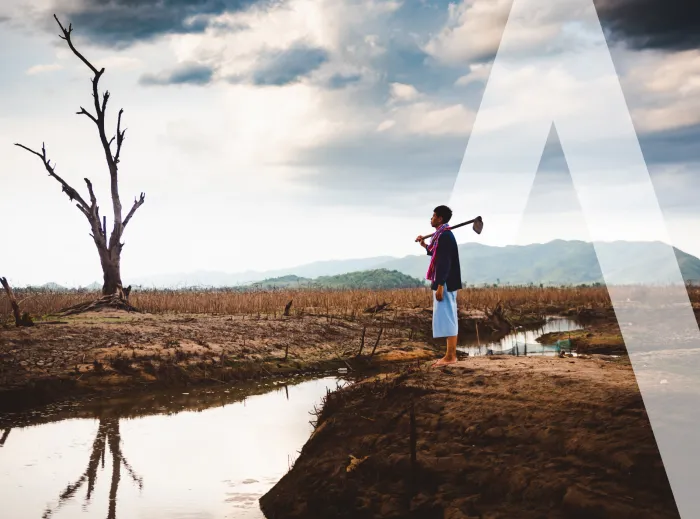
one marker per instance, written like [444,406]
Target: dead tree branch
[72,193]
[109,248]
[120,136]
[83,111]
[66,36]
[20,320]
[93,199]
[112,159]
[137,203]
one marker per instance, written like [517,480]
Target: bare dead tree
[108,250]
[20,319]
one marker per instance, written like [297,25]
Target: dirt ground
[495,437]
[104,351]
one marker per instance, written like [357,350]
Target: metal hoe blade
[478,225]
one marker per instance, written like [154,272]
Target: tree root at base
[109,302]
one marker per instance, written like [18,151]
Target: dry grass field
[184,337]
[341,303]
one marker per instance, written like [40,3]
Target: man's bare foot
[444,362]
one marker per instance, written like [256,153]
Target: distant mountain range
[208,278]
[558,262]
[378,279]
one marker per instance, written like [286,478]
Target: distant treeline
[253,288]
[378,279]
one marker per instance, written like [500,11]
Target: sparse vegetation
[341,303]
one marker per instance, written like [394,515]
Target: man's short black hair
[444,212]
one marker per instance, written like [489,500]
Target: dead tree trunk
[20,320]
[111,272]
[109,250]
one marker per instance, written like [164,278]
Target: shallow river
[522,342]
[209,454]
[198,454]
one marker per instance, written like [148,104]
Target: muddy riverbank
[106,352]
[494,437]
[605,338]
[102,353]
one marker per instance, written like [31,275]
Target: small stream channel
[520,342]
[205,453]
[197,454]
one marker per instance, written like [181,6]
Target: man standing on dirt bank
[445,274]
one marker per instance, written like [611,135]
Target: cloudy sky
[269,133]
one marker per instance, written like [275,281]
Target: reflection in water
[5,434]
[206,453]
[107,434]
[523,342]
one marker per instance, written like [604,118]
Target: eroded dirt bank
[100,353]
[495,437]
[105,352]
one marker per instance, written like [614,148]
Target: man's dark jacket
[447,271]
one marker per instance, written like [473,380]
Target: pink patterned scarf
[432,248]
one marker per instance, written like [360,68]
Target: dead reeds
[345,304]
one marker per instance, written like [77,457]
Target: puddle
[201,454]
[522,342]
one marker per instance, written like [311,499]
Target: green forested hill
[370,279]
[367,279]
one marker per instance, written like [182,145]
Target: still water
[522,342]
[204,454]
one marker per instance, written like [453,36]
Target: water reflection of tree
[4,436]
[107,435]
